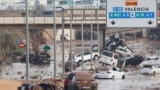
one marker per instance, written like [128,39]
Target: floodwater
[17,71]
[134,81]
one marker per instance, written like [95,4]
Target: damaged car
[108,58]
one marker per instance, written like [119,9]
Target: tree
[7,41]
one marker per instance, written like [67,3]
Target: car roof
[79,71]
[84,75]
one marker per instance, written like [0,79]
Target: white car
[124,51]
[86,57]
[110,73]
[154,59]
[150,69]
[108,58]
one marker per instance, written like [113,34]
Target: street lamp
[54,42]
[71,35]
[63,66]
[27,41]
[91,36]
[82,50]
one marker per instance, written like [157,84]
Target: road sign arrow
[113,22]
[150,22]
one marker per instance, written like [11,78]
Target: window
[102,1]
[86,53]
[49,1]
[62,2]
[47,13]
[107,54]
[70,76]
[147,66]
[158,5]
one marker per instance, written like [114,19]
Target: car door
[71,84]
[87,56]
[158,69]
[78,57]
[117,72]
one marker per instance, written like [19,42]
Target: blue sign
[117,8]
[131,13]
[118,15]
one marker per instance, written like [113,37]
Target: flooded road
[132,82]
[17,71]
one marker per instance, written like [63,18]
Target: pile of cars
[78,59]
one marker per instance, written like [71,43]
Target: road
[134,81]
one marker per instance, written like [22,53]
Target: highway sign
[131,13]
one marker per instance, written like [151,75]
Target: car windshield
[153,58]
[147,66]
[104,69]
[70,76]
[107,54]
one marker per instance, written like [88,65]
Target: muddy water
[17,71]
[132,82]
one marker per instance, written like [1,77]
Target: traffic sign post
[131,13]
[21,45]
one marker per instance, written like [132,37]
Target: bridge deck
[89,16]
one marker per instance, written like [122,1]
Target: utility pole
[91,35]
[82,50]
[71,8]
[54,42]
[63,68]
[27,41]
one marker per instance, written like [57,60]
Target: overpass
[73,15]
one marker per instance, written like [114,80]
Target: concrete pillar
[144,33]
[102,39]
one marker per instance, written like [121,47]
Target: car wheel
[96,57]
[113,77]
[154,73]
[95,89]
[123,77]
[128,55]
[79,62]
[95,77]
[113,64]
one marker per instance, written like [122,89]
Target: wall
[66,31]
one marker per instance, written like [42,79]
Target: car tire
[123,77]
[96,57]
[154,73]
[95,89]
[113,64]
[79,62]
